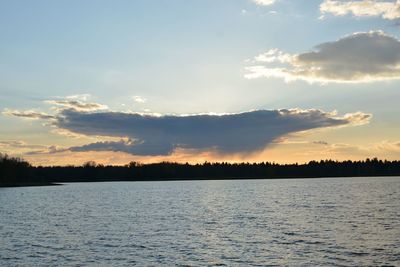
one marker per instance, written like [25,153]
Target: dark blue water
[301,222]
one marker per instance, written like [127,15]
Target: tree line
[16,171]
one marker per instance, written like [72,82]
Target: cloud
[383,149]
[264,2]
[389,146]
[364,8]
[64,104]
[274,55]
[359,57]
[17,144]
[77,105]
[139,99]
[82,97]
[127,146]
[47,150]
[226,133]
[19,147]
[28,114]
[323,143]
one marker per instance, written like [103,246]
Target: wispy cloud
[28,114]
[376,149]
[323,143]
[359,57]
[19,147]
[77,105]
[139,99]
[17,144]
[362,8]
[264,2]
[47,150]
[83,97]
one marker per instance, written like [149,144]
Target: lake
[292,222]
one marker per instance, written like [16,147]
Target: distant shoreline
[28,185]
[17,172]
[185,179]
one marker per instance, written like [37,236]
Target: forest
[18,172]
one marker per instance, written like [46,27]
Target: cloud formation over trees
[226,133]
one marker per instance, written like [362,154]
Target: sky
[192,81]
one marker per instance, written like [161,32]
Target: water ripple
[304,222]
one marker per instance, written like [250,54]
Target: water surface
[297,222]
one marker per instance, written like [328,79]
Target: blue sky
[180,57]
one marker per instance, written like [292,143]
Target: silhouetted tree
[15,171]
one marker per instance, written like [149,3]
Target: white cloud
[359,57]
[139,99]
[264,2]
[274,55]
[82,97]
[363,8]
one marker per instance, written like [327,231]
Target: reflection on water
[304,222]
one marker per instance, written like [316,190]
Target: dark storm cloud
[227,133]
